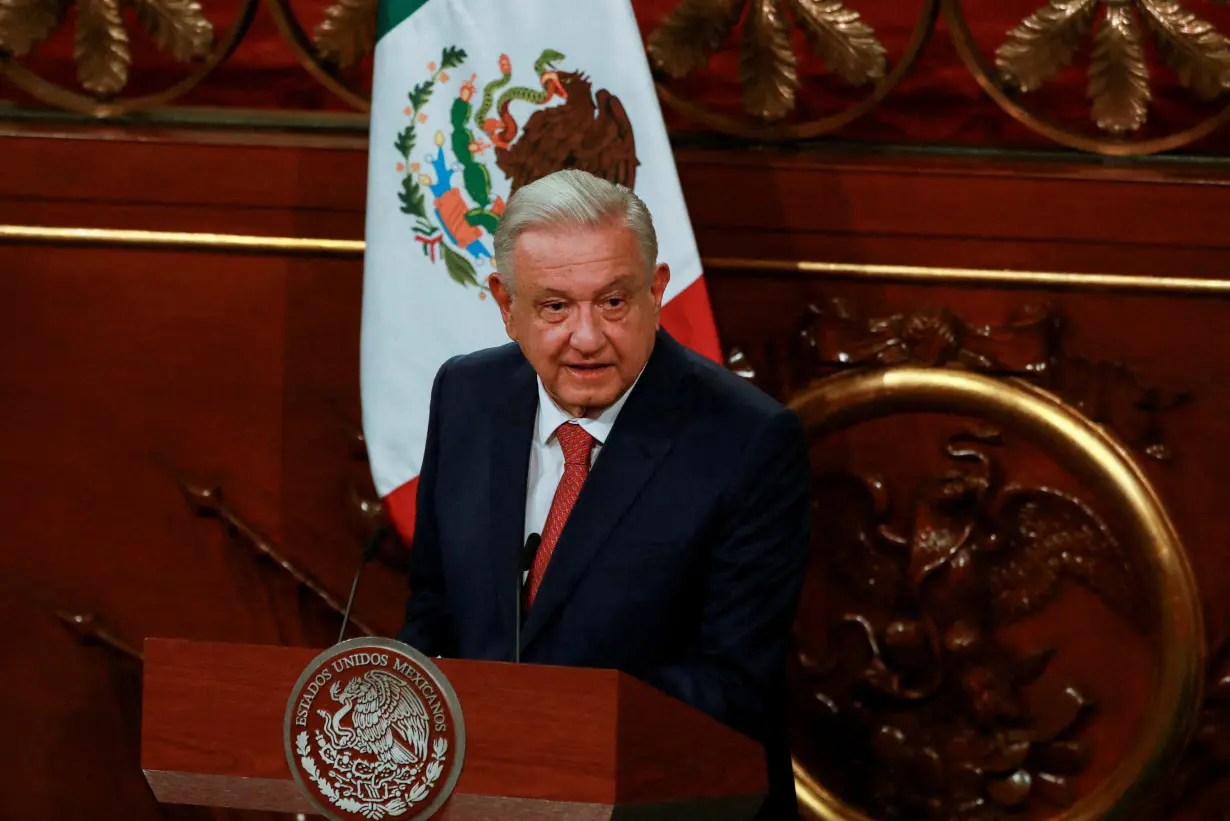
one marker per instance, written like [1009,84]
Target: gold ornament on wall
[1046,41]
[768,70]
[341,40]
[103,56]
[1163,595]
[26,23]
[348,32]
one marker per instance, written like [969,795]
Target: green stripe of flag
[391,13]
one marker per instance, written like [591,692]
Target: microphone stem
[354,586]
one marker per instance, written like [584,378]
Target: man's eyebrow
[622,281]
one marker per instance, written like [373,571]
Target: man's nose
[587,336]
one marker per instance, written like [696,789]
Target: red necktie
[577,446]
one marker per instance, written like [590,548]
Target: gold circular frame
[1106,466]
[296,37]
[64,98]
[971,55]
[802,131]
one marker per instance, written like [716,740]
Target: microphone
[370,548]
[525,561]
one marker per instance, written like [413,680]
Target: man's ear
[657,286]
[503,297]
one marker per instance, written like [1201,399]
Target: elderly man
[671,497]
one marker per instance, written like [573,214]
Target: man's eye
[554,306]
[615,302]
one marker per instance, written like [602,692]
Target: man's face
[583,311]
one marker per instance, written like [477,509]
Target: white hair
[577,198]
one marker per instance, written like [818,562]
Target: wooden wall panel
[126,371]
[324,468]
[108,382]
[1049,216]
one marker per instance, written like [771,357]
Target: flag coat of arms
[472,99]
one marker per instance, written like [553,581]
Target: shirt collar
[551,416]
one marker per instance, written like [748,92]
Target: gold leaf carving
[691,33]
[348,32]
[768,70]
[103,57]
[839,36]
[178,27]
[1119,78]
[26,23]
[1044,43]
[1197,51]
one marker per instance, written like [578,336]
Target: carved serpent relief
[833,335]
[1201,786]
[918,684]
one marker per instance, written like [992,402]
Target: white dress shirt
[547,457]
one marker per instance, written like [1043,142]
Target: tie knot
[576,443]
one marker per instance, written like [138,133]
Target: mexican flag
[471,99]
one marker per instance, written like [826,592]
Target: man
[670,495]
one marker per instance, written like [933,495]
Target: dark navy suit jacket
[680,564]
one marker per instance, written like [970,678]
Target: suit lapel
[641,437]
[512,431]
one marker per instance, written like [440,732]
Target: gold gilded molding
[768,66]
[1108,470]
[979,276]
[347,33]
[691,33]
[695,29]
[178,27]
[318,246]
[1119,84]
[180,240]
[1045,42]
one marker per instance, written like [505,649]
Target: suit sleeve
[429,624]
[756,565]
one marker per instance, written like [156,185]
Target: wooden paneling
[127,372]
[123,365]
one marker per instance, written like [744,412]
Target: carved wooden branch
[89,629]
[209,502]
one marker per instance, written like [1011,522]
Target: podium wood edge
[710,762]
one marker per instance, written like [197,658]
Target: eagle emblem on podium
[373,732]
[387,719]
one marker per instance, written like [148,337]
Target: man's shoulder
[732,426]
[483,365]
[719,389]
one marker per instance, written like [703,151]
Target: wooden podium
[541,742]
